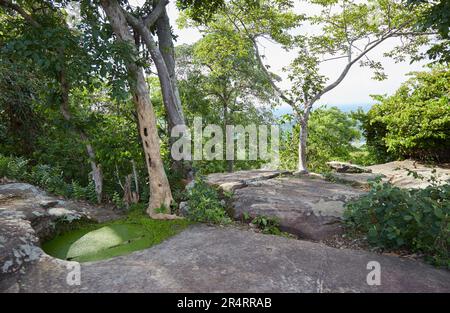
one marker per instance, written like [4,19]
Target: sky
[354,90]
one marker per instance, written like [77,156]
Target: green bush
[90,194]
[415,121]
[394,218]
[77,191]
[47,177]
[13,167]
[331,137]
[117,200]
[205,205]
[268,225]
[50,179]
[4,161]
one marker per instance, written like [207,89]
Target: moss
[93,242]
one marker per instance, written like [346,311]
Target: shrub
[117,200]
[205,204]
[49,178]
[414,122]
[268,225]
[90,194]
[415,219]
[331,137]
[78,191]
[13,167]
[3,166]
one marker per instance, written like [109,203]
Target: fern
[78,191]
[90,193]
[117,200]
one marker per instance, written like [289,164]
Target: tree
[222,65]
[332,135]
[45,38]
[21,122]
[436,17]
[74,54]
[415,121]
[200,11]
[234,78]
[161,195]
[161,54]
[347,31]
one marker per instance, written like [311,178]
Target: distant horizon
[347,107]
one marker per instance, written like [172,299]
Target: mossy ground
[93,242]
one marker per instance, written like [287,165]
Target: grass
[93,242]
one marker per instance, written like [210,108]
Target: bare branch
[347,69]
[334,58]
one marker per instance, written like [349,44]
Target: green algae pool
[93,242]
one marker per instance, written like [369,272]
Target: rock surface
[28,214]
[210,259]
[306,206]
[397,174]
[357,180]
[200,259]
[310,208]
[342,167]
[233,181]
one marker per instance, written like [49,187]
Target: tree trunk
[96,173]
[230,163]
[160,193]
[166,47]
[163,56]
[167,50]
[303,139]
[174,113]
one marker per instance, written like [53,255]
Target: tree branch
[151,19]
[347,69]
[334,58]
[269,75]
[22,12]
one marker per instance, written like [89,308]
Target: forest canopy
[90,91]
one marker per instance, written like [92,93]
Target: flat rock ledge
[343,167]
[28,215]
[212,259]
[230,182]
[308,207]
[199,259]
[397,173]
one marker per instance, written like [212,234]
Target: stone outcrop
[399,174]
[357,180]
[199,259]
[342,167]
[306,206]
[232,181]
[27,216]
[213,259]
[310,208]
